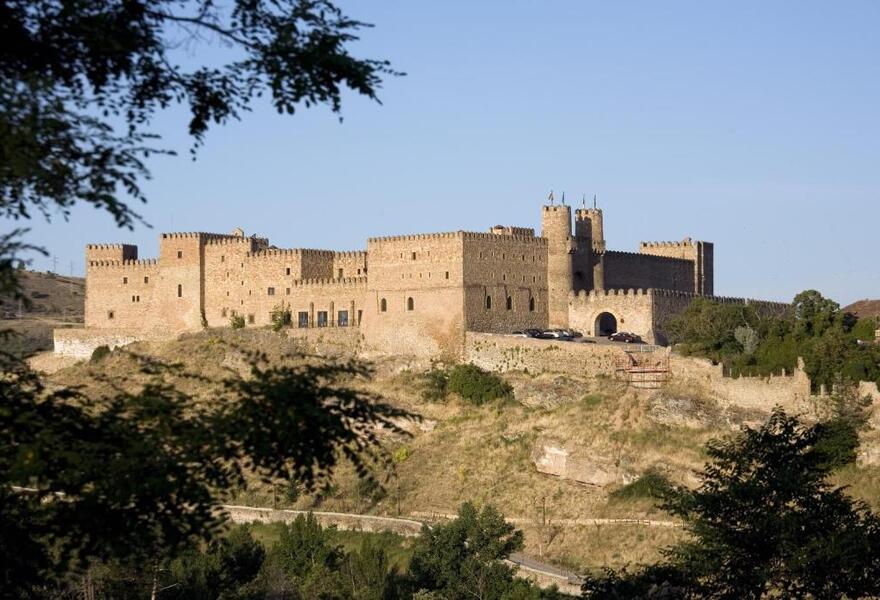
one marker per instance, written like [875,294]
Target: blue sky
[754,125]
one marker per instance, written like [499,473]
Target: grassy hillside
[461,452]
[52,301]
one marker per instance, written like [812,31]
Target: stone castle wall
[625,270]
[421,294]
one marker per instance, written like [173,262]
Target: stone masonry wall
[508,353]
[502,266]
[627,270]
[414,303]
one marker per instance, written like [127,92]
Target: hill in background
[865,309]
[53,301]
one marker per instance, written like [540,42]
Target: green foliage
[470,382]
[764,523]
[226,566]
[750,343]
[80,84]
[236,321]
[434,385]
[99,354]
[652,484]
[477,386]
[465,557]
[142,473]
[281,317]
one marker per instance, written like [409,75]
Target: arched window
[383,305]
[509,303]
[410,304]
[488,302]
[179,291]
[531,305]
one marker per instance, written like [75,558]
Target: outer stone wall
[80,343]
[509,353]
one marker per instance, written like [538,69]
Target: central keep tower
[556,228]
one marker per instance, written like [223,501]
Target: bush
[100,353]
[434,385]
[281,317]
[651,484]
[237,322]
[477,386]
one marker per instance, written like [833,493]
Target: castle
[414,294]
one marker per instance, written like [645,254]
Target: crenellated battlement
[416,237]
[133,264]
[345,281]
[122,247]
[290,252]
[641,256]
[594,295]
[235,239]
[685,243]
[350,254]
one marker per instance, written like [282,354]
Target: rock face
[553,459]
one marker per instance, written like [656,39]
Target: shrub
[434,385]
[100,353]
[281,317]
[477,386]
[237,322]
[650,485]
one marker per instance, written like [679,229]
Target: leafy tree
[465,557]
[764,521]
[140,474]
[228,564]
[81,80]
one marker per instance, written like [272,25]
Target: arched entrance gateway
[606,324]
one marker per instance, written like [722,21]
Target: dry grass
[485,454]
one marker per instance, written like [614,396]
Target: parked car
[527,333]
[625,337]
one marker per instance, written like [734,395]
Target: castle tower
[589,225]
[556,228]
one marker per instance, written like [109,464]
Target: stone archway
[606,324]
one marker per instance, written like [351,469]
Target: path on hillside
[544,573]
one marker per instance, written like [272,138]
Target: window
[180,254]
[146,280]
[410,305]
[287,271]
[302,319]
[383,305]
[109,314]
[270,291]
[132,299]
[413,255]
[504,277]
[342,318]
[322,318]
[531,305]
[223,312]
[339,275]
[488,302]
[360,313]
[125,280]
[179,291]
[138,299]
[509,303]
[287,291]
[222,259]
[251,319]
[447,274]
[359,271]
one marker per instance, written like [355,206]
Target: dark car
[625,337]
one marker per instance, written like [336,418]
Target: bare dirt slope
[53,301]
